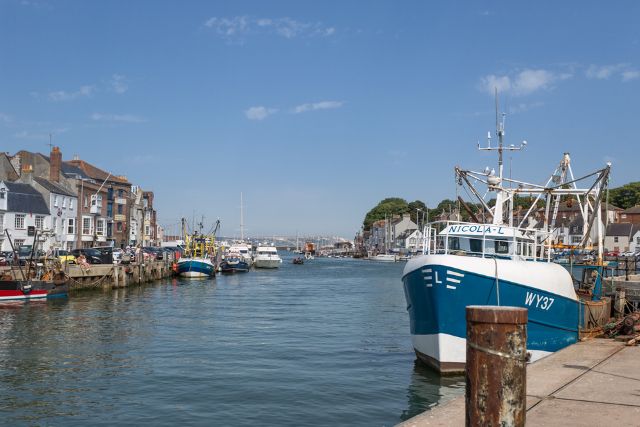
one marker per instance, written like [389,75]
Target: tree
[626,196]
[413,210]
[387,207]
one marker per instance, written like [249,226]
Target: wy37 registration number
[539,301]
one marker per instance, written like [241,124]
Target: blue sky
[316,111]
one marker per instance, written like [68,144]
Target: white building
[63,207]
[22,207]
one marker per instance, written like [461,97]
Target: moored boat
[267,257]
[505,261]
[198,258]
[29,290]
[385,258]
[233,263]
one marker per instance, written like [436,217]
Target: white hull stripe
[426,270]
[454,273]
[449,279]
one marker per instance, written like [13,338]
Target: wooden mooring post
[496,366]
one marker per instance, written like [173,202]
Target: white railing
[521,243]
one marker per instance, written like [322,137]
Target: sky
[316,111]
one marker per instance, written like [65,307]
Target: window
[86,225]
[147,215]
[100,227]
[20,221]
[71,226]
[121,193]
[475,245]
[576,239]
[623,216]
[501,247]
[55,201]
[120,209]
[119,226]
[2,193]
[64,202]
[110,209]
[17,243]
[147,230]
[637,238]
[54,224]
[39,222]
[86,201]
[615,239]
[2,223]
[454,243]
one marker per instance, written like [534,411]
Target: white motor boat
[267,257]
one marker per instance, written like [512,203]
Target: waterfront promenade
[593,383]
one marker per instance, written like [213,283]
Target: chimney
[27,174]
[16,162]
[55,164]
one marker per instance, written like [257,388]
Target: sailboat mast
[241,219]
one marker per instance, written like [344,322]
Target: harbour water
[324,343]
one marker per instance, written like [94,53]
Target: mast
[241,219]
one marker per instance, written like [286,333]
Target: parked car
[612,253]
[64,256]
[91,255]
[106,254]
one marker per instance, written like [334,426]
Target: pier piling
[495,368]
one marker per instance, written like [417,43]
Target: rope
[92,283]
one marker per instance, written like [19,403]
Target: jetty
[105,276]
[594,382]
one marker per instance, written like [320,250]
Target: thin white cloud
[38,135]
[522,83]
[630,75]
[323,105]
[603,72]
[60,95]
[119,83]
[124,118]
[5,118]
[237,27]
[259,112]
[522,107]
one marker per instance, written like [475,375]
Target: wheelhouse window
[475,245]
[454,243]
[501,247]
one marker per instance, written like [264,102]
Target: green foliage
[626,196]
[389,206]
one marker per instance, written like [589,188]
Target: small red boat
[27,290]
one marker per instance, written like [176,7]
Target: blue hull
[437,297]
[195,268]
[236,267]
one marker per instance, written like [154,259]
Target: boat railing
[516,243]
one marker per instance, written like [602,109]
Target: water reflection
[428,389]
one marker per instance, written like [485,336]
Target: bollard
[496,366]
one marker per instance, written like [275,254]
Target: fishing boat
[200,252]
[267,257]
[298,260]
[30,290]
[503,257]
[29,282]
[233,263]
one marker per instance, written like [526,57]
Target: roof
[68,169]
[621,229]
[25,198]
[53,187]
[633,210]
[96,173]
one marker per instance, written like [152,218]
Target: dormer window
[2,193]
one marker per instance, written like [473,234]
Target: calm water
[324,343]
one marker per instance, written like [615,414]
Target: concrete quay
[594,383]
